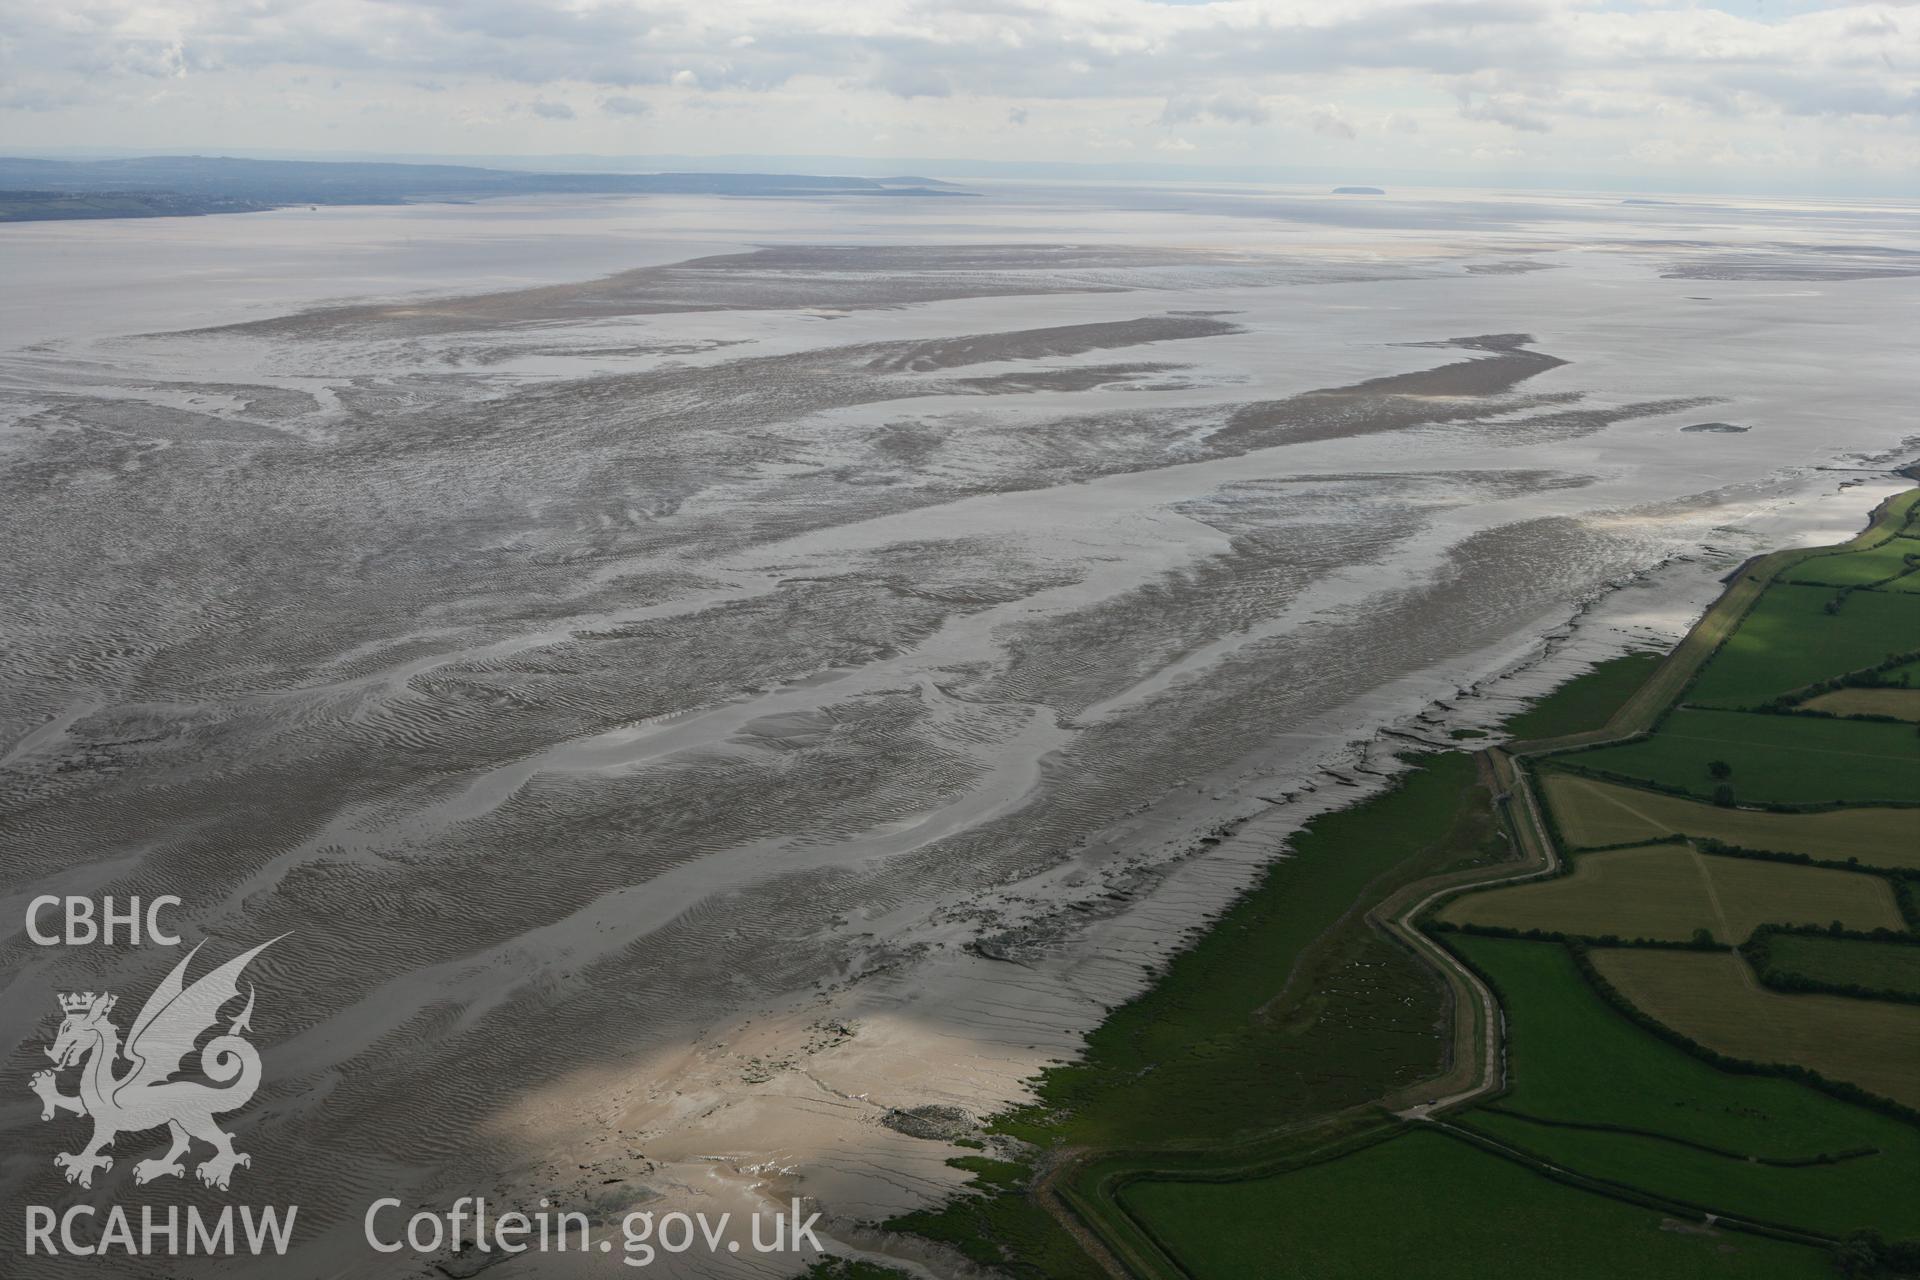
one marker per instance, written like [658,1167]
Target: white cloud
[1330,122]
[1227,108]
[1593,81]
[1509,109]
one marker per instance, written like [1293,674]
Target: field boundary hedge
[1757,951]
[1601,1126]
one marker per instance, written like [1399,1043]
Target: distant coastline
[189,186]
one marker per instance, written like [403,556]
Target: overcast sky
[1808,92]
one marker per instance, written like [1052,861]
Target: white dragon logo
[145,1096]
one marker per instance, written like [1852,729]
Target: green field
[1858,568]
[1575,1060]
[1668,891]
[1789,640]
[1574,1057]
[1587,702]
[1712,999]
[1428,1206]
[1846,962]
[1207,1055]
[1794,760]
[1592,813]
